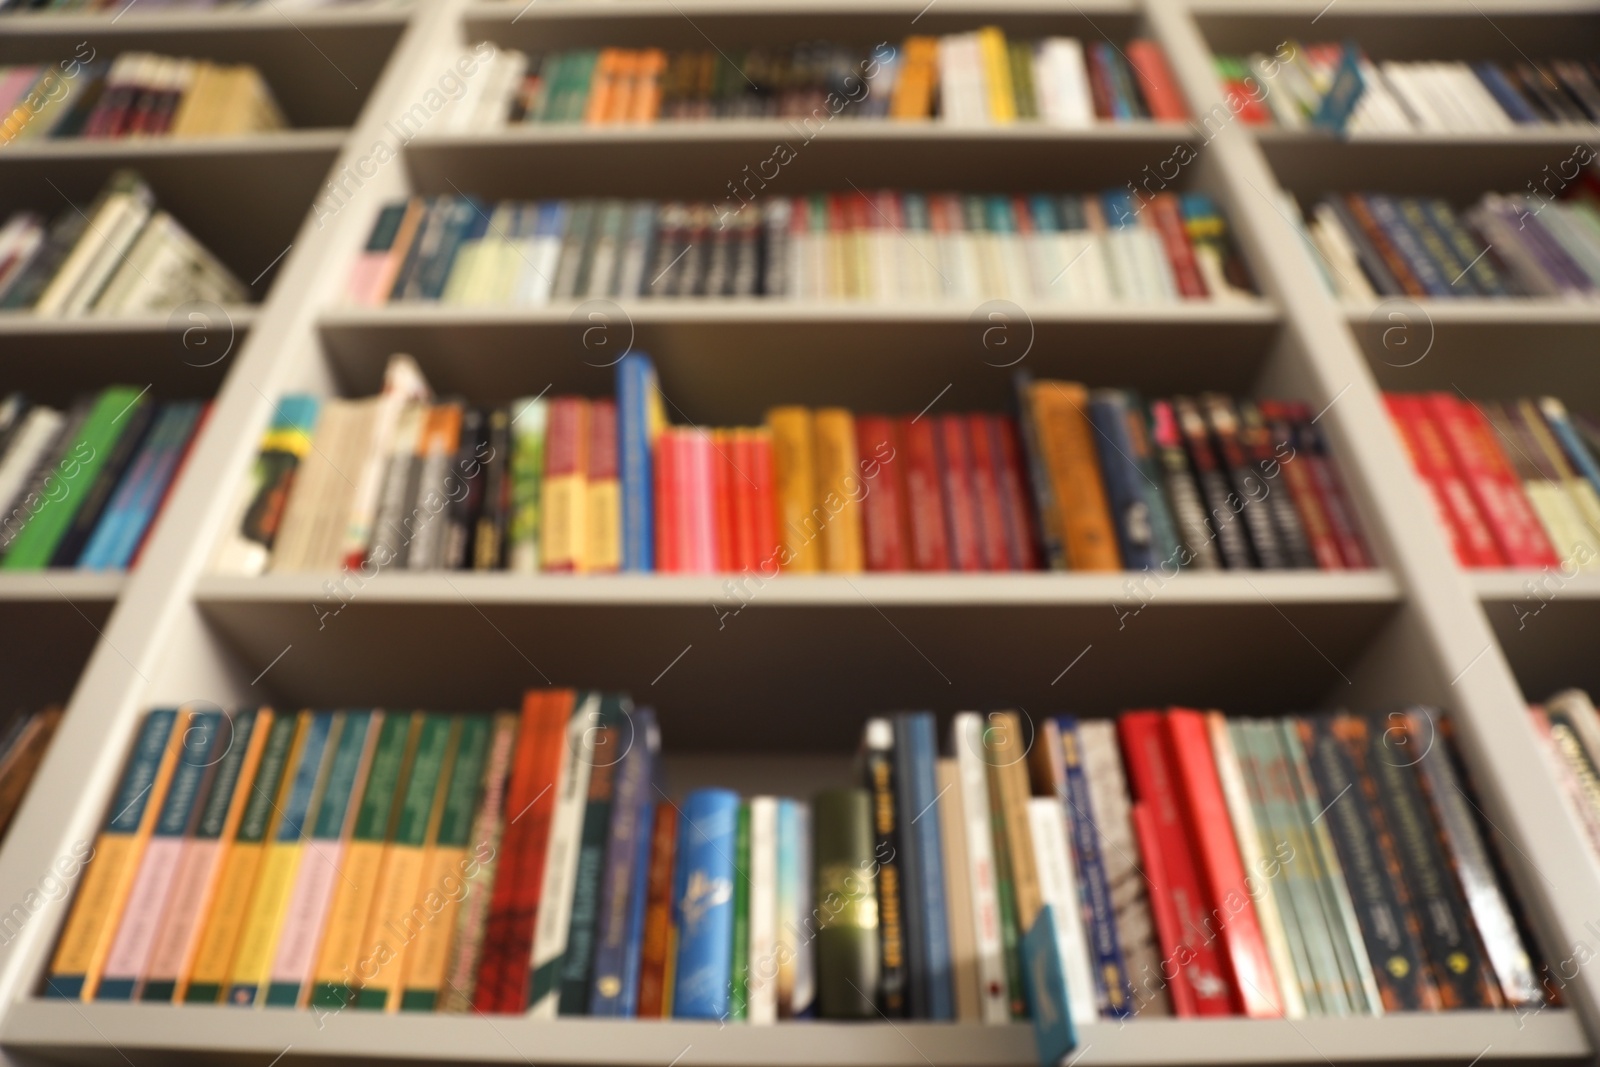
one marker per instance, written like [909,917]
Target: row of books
[1507,245]
[123,255]
[1452,97]
[1513,484]
[23,746]
[138,94]
[1569,729]
[973,78]
[1080,480]
[83,487]
[506,863]
[849,246]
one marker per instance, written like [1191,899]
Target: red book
[960,506]
[1491,483]
[1404,414]
[1221,870]
[1153,776]
[994,550]
[530,803]
[766,505]
[742,503]
[563,495]
[1330,490]
[655,947]
[602,521]
[1022,544]
[1433,454]
[696,509]
[1175,239]
[666,504]
[1169,928]
[883,509]
[723,479]
[930,548]
[1101,89]
[1303,490]
[1160,89]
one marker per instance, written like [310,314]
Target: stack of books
[1513,484]
[1506,245]
[1326,864]
[1080,479]
[121,256]
[977,78]
[1288,87]
[82,488]
[1569,729]
[884,246]
[23,745]
[139,94]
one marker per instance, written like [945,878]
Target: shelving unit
[770,686]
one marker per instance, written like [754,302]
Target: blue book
[1386,211]
[134,508]
[179,812]
[636,391]
[638,897]
[467,221]
[1125,483]
[1342,96]
[927,925]
[629,806]
[1555,416]
[1046,982]
[1110,967]
[703,904]
[292,826]
[1506,94]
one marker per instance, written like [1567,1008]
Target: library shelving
[770,688]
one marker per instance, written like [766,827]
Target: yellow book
[794,490]
[348,960]
[839,490]
[602,524]
[395,920]
[81,953]
[997,74]
[280,864]
[230,907]
[563,510]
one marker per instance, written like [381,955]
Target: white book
[1019,272]
[961,92]
[1348,278]
[27,450]
[111,230]
[1479,101]
[506,72]
[403,384]
[805,982]
[351,453]
[1126,281]
[290,547]
[966,734]
[388,526]
[1064,95]
[1418,108]
[561,855]
[1153,259]
[761,985]
[889,281]
[958,892]
[1058,887]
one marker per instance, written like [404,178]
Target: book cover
[1061,414]
[607,735]
[847,946]
[994,973]
[916,751]
[658,949]
[550,918]
[881,767]
[739,949]
[703,908]
[638,417]
[611,993]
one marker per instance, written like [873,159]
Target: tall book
[928,941]
[611,993]
[739,944]
[703,904]
[846,939]
[1060,413]
[639,421]
[958,893]
[658,948]
[761,983]
[880,767]
[794,489]
[839,489]
[555,901]
[606,734]
[994,974]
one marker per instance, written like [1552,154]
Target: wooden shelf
[156,20]
[135,149]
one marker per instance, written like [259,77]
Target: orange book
[625,82]
[725,484]
[913,91]
[1060,413]
[839,490]
[644,105]
[799,520]
[602,87]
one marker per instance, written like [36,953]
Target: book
[994,975]
[881,766]
[605,735]
[703,906]
[658,944]
[847,947]
[615,985]
[928,931]
[552,923]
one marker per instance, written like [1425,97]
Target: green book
[68,485]
[402,861]
[1005,894]
[455,825]
[739,970]
[847,951]
[363,859]
[529,418]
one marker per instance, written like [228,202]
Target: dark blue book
[636,397]
[1125,484]
[928,940]
[703,904]
[1407,242]
[466,221]
[638,897]
[434,210]
[630,805]
[1506,94]
[577,963]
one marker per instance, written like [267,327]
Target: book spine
[544,921]
[961,507]
[635,383]
[577,970]
[846,944]
[1123,480]
[925,505]
[1226,526]
[1061,411]
[465,952]
[966,733]
[882,768]
[838,479]
[884,531]
[761,984]
[739,946]
[1164,910]
[704,908]
[609,994]
[657,952]
[1111,968]
[564,492]
[794,489]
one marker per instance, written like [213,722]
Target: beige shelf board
[1314,9]
[156,20]
[75,586]
[518,11]
[1501,585]
[1047,589]
[227,1033]
[1566,135]
[1514,311]
[27,324]
[764,130]
[137,148]
[776,311]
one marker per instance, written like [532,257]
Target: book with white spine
[762,981]
[561,855]
[966,734]
[1047,821]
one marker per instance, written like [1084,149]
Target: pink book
[700,503]
[136,934]
[301,935]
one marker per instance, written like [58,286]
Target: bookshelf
[745,701]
